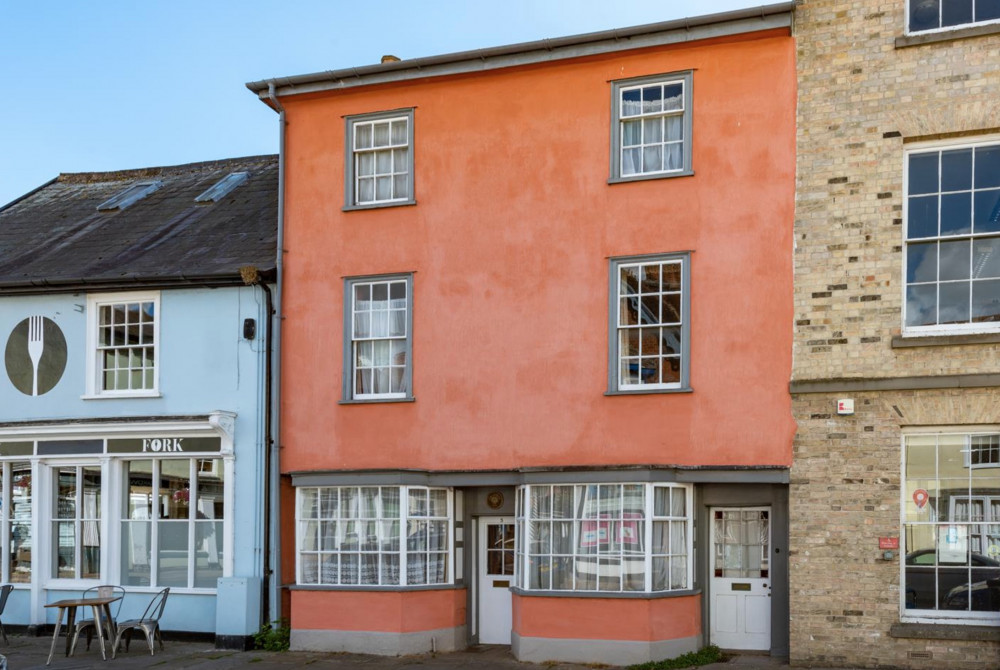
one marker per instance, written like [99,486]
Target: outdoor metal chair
[148,623]
[4,593]
[105,591]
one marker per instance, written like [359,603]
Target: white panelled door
[740,577]
[496,576]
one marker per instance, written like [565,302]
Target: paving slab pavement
[29,653]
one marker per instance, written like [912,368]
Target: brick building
[897,308]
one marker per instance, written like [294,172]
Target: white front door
[496,575]
[740,578]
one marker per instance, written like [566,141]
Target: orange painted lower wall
[378,611]
[627,619]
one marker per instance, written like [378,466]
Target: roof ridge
[156,170]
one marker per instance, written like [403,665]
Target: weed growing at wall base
[273,636]
[710,654]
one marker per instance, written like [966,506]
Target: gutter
[608,41]
[49,286]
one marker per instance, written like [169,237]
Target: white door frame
[749,597]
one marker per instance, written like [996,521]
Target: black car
[931,584]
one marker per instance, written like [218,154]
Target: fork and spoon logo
[35,357]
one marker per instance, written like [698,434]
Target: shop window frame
[936,508]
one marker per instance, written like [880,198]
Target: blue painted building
[135,396]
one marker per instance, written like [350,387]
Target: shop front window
[951,524]
[16,520]
[604,537]
[172,522]
[76,528]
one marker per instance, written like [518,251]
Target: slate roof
[55,237]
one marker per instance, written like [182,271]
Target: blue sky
[115,84]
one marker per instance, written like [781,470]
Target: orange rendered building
[536,345]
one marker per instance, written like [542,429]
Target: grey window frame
[614,383]
[686,77]
[347,389]
[350,197]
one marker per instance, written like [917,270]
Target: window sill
[946,35]
[683,389]
[902,342]
[374,401]
[647,177]
[378,205]
[119,396]
[362,588]
[628,595]
[965,630]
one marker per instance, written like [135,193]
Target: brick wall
[860,99]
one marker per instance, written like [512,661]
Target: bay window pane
[175,489]
[309,567]
[329,569]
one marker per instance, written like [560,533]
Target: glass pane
[631,102]
[383,188]
[922,217]
[208,554]
[438,499]
[390,569]
[986,211]
[631,161]
[955,12]
[211,489]
[66,501]
[923,177]
[383,162]
[956,170]
[921,262]
[652,99]
[988,158]
[20,529]
[673,96]
[987,10]
[381,134]
[366,165]
[678,502]
[136,553]
[986,301]
[953,305]
[921,305]
[956,213]
[175,490]
[652,131]
[954,260]
[416,568]
[172,555]
[65,555]
[631,133]
[652,159]
[399,135]
[363,135]
[366,189]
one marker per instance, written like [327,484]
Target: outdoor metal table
[98,605]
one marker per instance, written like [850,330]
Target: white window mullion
[404,524]
[154,527]
[650,491]
[192,515]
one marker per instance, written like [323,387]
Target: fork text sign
[47,345]
[165,445]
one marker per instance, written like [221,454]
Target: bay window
[374,535]
[604,537]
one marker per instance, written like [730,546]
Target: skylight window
[129,196]
[223,187]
